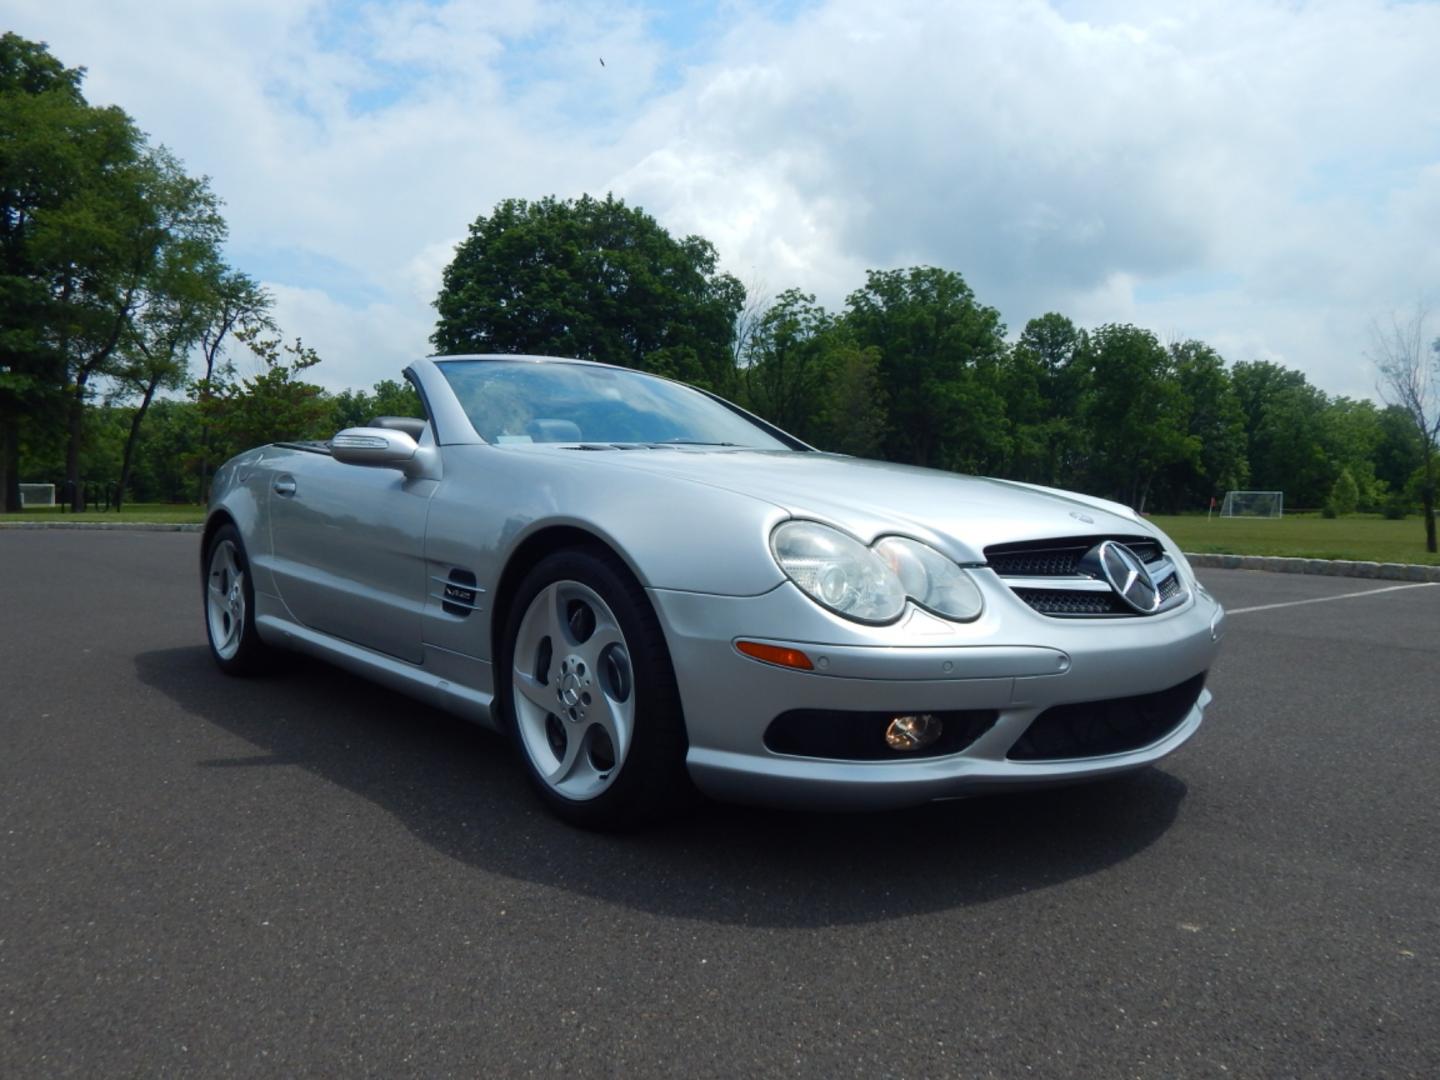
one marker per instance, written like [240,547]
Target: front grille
[1056,578]
[860,736]
[1059,557]
[1061,602]
[1114,726]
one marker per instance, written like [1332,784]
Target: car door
[349,550]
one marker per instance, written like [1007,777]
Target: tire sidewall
[652,776]
[248,657]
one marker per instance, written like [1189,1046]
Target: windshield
[522,401]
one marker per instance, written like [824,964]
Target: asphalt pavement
[305,875]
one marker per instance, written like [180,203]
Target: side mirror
[374,446]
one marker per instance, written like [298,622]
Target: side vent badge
[460,594]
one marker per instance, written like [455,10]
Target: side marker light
[779,655]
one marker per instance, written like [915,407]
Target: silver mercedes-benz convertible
[652,591]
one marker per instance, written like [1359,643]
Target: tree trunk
[1427,497]
[132,440]
[10,466]
[72,447]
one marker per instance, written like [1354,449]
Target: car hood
[958,514]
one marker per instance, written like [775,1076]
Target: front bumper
[1012,660]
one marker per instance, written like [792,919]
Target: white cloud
[1262,175]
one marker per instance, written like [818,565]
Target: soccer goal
[1260,504]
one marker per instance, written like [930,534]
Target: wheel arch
[537,545]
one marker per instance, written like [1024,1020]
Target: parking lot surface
[307,875]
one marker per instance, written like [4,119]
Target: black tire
[647,781]
[238,650]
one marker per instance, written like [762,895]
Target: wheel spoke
[573,744]
[617,720]
[533,691]
[554,617]
[606,634]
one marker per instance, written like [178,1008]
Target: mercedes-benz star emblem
[1127,576]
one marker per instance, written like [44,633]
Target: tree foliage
[273,405]
[593,279]
[101,233]
[939,359]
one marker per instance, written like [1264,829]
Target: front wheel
[592,703]
[235,644]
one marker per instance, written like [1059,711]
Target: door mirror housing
[388,449]
[374,446]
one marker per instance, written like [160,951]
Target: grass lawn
[1367,537]
[166,513]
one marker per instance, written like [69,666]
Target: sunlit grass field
[1367,537]
[160,513]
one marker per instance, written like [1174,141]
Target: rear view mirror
[374,446]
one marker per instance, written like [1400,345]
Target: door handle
[283,485]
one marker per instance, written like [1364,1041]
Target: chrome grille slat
[1047,575]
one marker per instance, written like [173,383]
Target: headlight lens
[838,571]
[871,584]
[932,580]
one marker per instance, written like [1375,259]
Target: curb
[1387,571]
[104,526]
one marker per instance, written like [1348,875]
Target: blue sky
[1261,175]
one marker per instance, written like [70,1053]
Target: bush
[1328,510]
[1396,508]
[1344,496]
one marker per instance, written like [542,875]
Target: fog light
[907,733]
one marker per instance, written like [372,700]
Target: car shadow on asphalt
[459,789]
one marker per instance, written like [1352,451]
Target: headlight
[871,584]
[837,571]
[930,579]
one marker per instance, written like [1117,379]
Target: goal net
[1261,504]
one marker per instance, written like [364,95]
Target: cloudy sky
[1261,175]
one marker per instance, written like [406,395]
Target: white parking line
[1324,599]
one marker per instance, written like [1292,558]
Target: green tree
[1409,367]
[1135,413]
[47,142]
[1285,432]
[165,458]
[1351,434]
[238,303]
[274,405]
[940,352]
[593,279]
[852,417]
[1216,423]
[90,211]
[390,397]
[784,365]
[1047,373]
[1344,494]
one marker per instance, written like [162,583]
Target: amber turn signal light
[776,654]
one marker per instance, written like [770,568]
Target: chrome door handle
[283,485]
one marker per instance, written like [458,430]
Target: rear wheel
[230,606]
[590,695]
